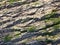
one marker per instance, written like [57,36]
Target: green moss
[55,20]
[47,33]
[0,4]
[57,27]
[7,38]
[48,41]
[31,29]
[11,1]
[16,35]
[48,16]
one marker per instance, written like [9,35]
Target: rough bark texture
[16,17]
